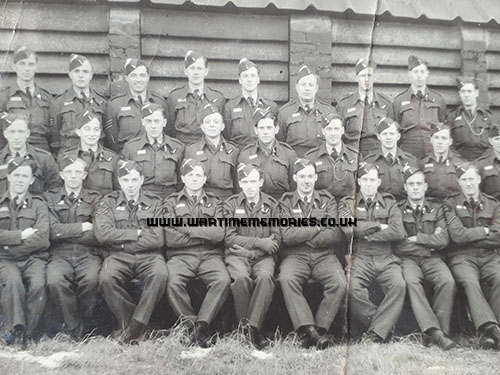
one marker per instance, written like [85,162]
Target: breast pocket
[464,215]
[325,175]
[208,211]
[408,116]
[84,212]
[15,104]
[101,176]
[129,126]
[225,172]
[181,115]
[381,215]
[146,162]
[353,125]
[280,172]
[294,132]
[67,117]
[26,218]
[121,217]
[432,113]
[167,170]
[484,218]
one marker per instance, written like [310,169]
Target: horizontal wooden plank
[213,25]
[274,91]
[215,49]
[51,41]
[57,84]
[493,60]
[494,80]
[396,75]
[57,63]
[349,31]
[493,39]
[395,56]
[62,17]
[218,69]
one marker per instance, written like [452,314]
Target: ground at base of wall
[168,355]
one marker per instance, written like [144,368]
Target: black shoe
[441,340]
[486,342]
[312,335]
[371,337]
[252,334]
[16,337]
[493,331]
[201,335]
[134,332]
[77,333]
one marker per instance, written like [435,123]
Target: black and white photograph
[250,187]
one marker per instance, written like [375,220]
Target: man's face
[305,179]
[416,187]
[307,88]
[138,80]
[469,183]
[365,79]
[389,137]
[26,69]
[333,132]
[195,179]
[249,79]
[212,125]
[266,131]
[17,134]
[131,183]
[82,75]
[369,183]
[418,76]
[20,180]
[441,141]
[495,143]
[251,184]
[73,175]
[90,132]
[196,72]
[468,95]
[154,124]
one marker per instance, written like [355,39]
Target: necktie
[71,198]
[156,145]
[417,209]
[251,102]
[334,154]
[84,97]
[308,108]
[367,101]
[441,160]
[420,95]
[140,100]
[252,205]
[197,94]
[368,202]
[18,155]
[131,204]
[389,158]
[472,203]
[194,199]
[29,94]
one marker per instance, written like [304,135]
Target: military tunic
[131,255]
[195,251]
[474,258]
[123,118]
[490,165]
[238,119]
[101,168]
[415,117]
[470,132]
[185,110]
[63,113]
[392,175]
[160,164]
[300,128]
[276,166]
[73,269]
[220,165]
[373,261]
[338,176]
[361,119]
[252,279]
[424,260]
[23,261]
[46,175]
[14,100]
[308,253]
[441,177]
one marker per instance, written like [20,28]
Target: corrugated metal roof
[476,11]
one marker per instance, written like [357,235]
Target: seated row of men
[53,120]
[55,244]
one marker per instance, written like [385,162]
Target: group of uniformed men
[74,217]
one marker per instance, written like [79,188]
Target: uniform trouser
[471,271]
[210,269]
[416,142]
[23,292]
[252,286]
[322,266]
[72,282]
[435,272]
[385,270]
[120,268]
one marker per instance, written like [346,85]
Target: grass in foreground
[232,356]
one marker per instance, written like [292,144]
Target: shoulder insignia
[101,209]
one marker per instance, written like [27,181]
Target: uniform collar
[203,198]
[378,199]
[143,201]
[296,198]
[28,198]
